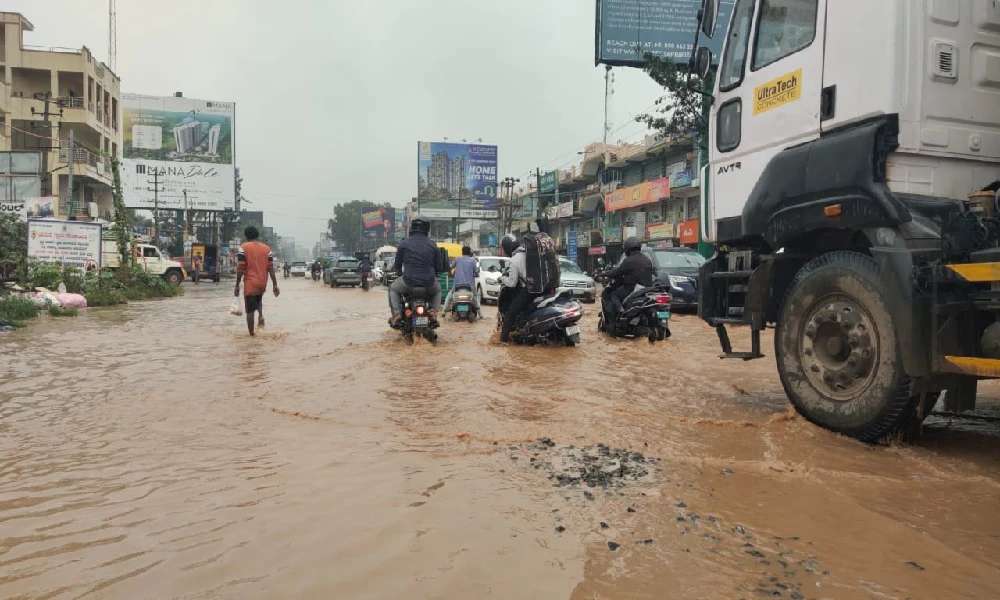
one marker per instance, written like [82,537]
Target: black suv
[677,268]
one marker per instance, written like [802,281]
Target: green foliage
[345,226]
[58,311]
[123,229]
[678,112]
[15,310]
[13,248]
[46,275]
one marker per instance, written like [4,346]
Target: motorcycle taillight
[663,299]
[420,310]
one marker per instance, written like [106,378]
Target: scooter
[463,305]
[552,319]
[315,275]
[416,321]
[645,313]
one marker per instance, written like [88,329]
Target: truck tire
[174,277]
[837,350]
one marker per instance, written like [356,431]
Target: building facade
[47,94]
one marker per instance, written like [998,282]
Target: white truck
[146,256]
[850,192]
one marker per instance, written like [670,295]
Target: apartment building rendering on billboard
[187,136]
[213,140]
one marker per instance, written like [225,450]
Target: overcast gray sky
[333,95]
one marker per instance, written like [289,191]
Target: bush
[16,310]
[109,289]
[46,275]
[58,311]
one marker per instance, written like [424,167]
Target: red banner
[688,231]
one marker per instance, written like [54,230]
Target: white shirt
[517,271]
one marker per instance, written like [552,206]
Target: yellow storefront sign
[777,92]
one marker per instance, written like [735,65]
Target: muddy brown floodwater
[155,451]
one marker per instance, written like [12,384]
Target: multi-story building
[187,136]
[456,175]
[213,140]
[437,172]
[47,94]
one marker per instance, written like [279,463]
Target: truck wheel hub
[837,350]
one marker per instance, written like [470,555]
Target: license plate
[419,321]
[573,330]
[663,314]
[463,308]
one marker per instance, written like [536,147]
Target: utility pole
[538,186]
[156,206]
[46,176]
[72,141]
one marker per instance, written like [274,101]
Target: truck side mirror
[709,14]
[702,62]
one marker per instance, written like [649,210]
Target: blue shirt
[466,271]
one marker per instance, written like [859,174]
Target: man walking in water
[255,262]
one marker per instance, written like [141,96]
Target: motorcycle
[416,320]
[463,304]
[287,273]
[552,318]
[315,275]
[645,313]
[366,281]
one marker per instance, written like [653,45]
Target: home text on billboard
[628,29]
[456,180]
[180,146]
[69,243]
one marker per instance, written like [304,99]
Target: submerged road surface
[155,451]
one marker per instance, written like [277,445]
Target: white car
[490,268]
[298,269]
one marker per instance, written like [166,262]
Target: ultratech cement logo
[785,89]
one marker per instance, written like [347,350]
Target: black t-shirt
[636,269]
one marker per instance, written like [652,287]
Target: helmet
[508,244]
[419,225]
[631,245]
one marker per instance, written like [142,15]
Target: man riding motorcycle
[635,269]
[366,272]
[317,270]
[287,269]
[417,259]
[466,272]
[514,297]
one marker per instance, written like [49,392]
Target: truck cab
[146,256]
[850,191]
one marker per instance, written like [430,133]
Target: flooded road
[155,451]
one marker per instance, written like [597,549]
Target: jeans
[618,296]
[451,296]
[399,287]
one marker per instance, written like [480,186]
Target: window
[735,55]
[150,253]
[730,123]
[785,27]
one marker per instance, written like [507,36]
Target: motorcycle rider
[417,259]
[514,296]
[635,269]
[317,269]
[287,269]
[466,272]
[366,271]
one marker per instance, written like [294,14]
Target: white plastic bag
[236,308]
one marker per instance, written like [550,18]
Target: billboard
[378,223]
[456,178]
[628,29]
[69,243]
[185,144]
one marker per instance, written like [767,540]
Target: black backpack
[542,263]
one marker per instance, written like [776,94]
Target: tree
[123,230]
[345,226]
[678,111]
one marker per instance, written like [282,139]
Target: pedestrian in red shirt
[255,262]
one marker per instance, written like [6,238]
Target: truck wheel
[837,350]
[174,277]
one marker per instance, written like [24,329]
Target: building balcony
[87,163]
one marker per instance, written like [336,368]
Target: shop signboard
[688,231]
[681,179]
[659,231]
[638,195]
[613,235]
[571,247]
[583,239]
[597,251]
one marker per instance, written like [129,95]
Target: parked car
[490,268]
[299,269]
[572,278]
[343,271]
[678,268]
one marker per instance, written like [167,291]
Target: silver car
[574,279]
